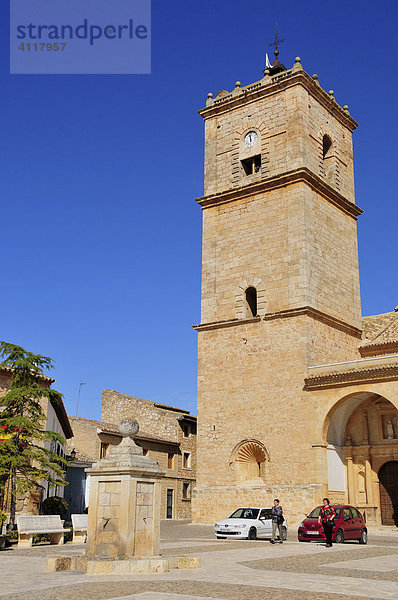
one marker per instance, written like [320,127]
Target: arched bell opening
[251,302]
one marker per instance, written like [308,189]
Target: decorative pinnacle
[277,42]
[128,428]
[238,84]
[210,95]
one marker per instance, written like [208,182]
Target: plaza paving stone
[231,570]
[317,563]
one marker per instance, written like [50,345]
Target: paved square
[230,570]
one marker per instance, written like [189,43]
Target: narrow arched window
[251,302]
[327,144]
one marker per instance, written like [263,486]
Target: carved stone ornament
[129,428]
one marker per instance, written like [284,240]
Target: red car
[350,525]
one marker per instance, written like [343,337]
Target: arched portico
[361,435]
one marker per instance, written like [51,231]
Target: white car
[248,523]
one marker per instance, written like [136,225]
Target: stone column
[369,482]
[351,481]
[365,428]
[124,505]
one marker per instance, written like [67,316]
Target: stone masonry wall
[261,400]
[301,248]
[155,421]
[290,125]
[218,502]
[161,422]
[85,439]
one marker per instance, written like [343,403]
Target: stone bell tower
[280,284]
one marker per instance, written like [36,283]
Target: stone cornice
[302,175]
[283,314]
[319,316]
[277,83]
[223,324]
[379,349]
[354,376]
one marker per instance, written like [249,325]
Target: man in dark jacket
[277,521]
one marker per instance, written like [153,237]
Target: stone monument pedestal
[123,530]
[124,504]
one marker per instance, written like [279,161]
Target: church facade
[297,392]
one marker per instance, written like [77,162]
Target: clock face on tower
[250,139]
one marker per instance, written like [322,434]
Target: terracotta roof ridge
[353,370]
[390,312]
[38,374]
[380,338]
[157,404]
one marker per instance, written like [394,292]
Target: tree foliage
[25,459]
[55,505]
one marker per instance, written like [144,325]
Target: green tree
[24,460]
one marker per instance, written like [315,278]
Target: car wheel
[252,534]
[339,537]
[284,533]
[364,537]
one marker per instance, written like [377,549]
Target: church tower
[280,285]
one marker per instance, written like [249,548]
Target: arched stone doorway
[361,435]
[388,482]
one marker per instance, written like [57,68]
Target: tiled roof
[142,435]
[58,406]
[380,329]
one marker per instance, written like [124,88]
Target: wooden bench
[79,523]
[28,525]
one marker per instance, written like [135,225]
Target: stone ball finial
[345,106]
[129,428]
[331,92]
[238,84]
[315,76]
[210,95]
[396,309]
[297,59]
[266,72]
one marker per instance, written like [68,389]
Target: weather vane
[277,40]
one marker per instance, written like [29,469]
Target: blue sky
[101,237]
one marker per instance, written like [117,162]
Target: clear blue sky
[101,237]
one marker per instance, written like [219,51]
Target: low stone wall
[213,503]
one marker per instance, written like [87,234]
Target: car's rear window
[315,513]
[245,513]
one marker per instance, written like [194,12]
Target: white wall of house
[53,424]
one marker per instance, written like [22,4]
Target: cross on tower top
[277,41]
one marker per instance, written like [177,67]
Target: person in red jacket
[326,517]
